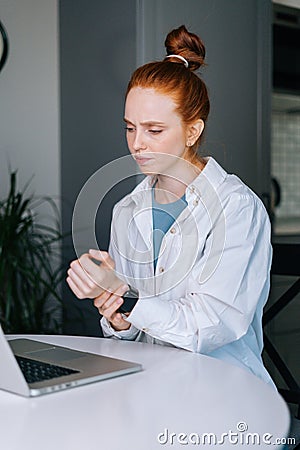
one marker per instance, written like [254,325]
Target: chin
[148,171]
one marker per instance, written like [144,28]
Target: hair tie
[179,57]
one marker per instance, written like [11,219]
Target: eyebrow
[147,123]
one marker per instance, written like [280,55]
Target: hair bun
[188,45]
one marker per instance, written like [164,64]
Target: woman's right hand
[108,303]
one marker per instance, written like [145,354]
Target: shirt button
[192,189]
[161,269]
[195,202]
[145,329]
[173,230]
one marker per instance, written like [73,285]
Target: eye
[154,131]
[130,129]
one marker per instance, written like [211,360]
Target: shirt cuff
[109,331]
[143,317]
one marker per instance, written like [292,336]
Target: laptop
[31,368]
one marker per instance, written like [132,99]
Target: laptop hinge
[11,379]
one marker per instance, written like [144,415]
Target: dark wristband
[130,298]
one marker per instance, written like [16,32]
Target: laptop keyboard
[34,370]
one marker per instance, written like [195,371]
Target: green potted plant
[30,268]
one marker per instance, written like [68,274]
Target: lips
[142,160]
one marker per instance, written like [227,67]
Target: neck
[170,188]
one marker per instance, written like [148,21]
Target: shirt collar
[213,172]
[140,191]
[210,178]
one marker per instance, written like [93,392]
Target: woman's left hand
[88,279]
[108,306]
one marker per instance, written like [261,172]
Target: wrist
[130,297]
[120,327]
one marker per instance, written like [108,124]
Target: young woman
[191,242]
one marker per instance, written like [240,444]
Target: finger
[82,281]
[86,287]
[105,306]
[110,311]
[118,321]
[78,268]
[74,288]
[103,302]
[82,262]
[118,293]
[101,299]
[83,268]
[90,268]
[105,299]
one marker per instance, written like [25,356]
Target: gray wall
[237,36]
[29,96]
[97,55]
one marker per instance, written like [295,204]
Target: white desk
[179,391]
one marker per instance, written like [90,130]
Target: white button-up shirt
[212,275]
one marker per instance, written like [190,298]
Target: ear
[194,131]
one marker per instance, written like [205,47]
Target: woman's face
[155,132]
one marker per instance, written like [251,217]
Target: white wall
[29,96]
[290,3]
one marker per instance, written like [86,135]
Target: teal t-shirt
[163,216]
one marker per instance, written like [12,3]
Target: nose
[138,141]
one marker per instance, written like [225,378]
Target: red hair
[171,77]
